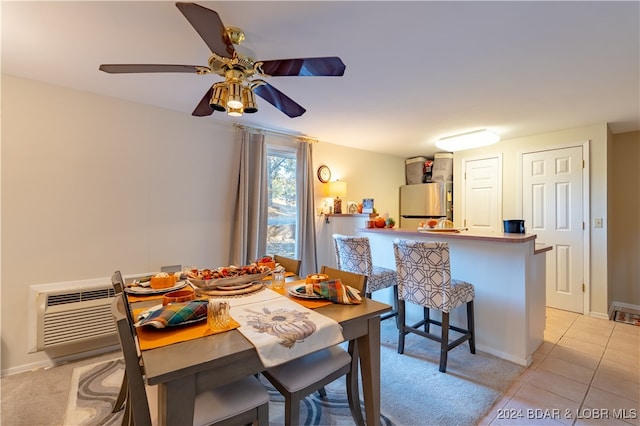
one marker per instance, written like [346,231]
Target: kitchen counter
[508,274]
[463,235]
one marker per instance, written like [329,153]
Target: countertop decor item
[337,189]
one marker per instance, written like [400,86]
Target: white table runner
[282,329]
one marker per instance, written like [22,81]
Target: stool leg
[427,320]
[401,333]
[471,327]
[444,344]
[395,305]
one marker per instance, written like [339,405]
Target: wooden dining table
[182,369]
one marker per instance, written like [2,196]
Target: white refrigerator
[425,201]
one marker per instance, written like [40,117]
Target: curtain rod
[277,132]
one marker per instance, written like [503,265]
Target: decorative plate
[299,291]
[145,291]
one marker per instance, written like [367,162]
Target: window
[282,207]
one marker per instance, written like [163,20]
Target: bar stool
[424,278]
[353,254]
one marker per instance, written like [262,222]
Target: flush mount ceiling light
[469,140]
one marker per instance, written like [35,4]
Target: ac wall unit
[76,313]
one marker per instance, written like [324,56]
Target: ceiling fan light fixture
[249,99]
[234,96]
[468,140]
[219,97]
[235,112]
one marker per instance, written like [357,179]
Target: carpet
[94,389]
[413,391]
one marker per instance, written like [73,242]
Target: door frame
[463,189]
[586,211]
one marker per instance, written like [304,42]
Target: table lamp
[337,189]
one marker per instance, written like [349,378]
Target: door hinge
[583,164]
[583,287]
[583,226]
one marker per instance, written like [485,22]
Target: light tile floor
[586,372]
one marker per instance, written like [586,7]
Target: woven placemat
[253,288]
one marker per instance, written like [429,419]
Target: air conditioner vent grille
[79,296]
[77,325]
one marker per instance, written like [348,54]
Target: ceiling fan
[236,94]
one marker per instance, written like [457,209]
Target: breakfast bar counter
[508,273]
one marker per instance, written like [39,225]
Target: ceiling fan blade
[210,27]
[140,68]
[327,66]
[279,100]
[203,108]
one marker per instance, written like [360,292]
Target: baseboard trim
[54,362]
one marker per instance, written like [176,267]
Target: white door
[482,200]
[552,209]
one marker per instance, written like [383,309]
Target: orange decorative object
[380,222]
[271,265]
[178,296]
[316,278]
[163,280]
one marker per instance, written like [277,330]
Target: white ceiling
[415,71]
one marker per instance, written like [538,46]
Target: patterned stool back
[424,275]
[353,254]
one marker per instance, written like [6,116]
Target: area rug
[413,391]
[94,389]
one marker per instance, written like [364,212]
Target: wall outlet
[597,222]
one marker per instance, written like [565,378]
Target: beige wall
[597,138]
[92,184]
[368,175]
[624,218]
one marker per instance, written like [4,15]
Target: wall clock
[324,174]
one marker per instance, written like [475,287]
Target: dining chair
[289,264]
[242,402]
[353,254]
[320,368]
[171,268]
[118,287]
[424,278]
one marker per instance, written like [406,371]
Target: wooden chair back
[137,397]
[289,264]
[118,286]
[357,281]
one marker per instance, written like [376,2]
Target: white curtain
[249,232]
[306,229]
